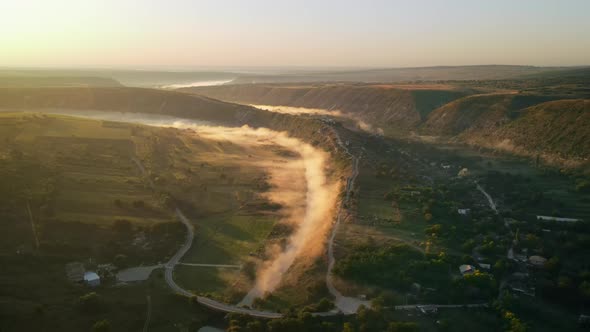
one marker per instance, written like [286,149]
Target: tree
[120,261]
[348,327]
[255,326]
[402,327]
[585,289]
[583,186]
[102,326]
[90,302]
[552,264]
[325,305]
[514,324]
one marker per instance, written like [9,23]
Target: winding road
[348,305]
[488,197]
[175,260]
[215,305]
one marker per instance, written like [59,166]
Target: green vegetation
[91,202]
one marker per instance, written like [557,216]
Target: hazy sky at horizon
[370,33]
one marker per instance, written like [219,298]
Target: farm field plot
[95,179]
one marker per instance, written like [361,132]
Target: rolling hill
[389,106]
[557,130]
[523,122]
[165,102]
[389,75]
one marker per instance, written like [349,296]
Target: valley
[306,212]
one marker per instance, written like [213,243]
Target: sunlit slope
[558,130]
[55,81]
[135,78]
[524,123]
[151,101]
[388,106]
[478,111]
[118,99]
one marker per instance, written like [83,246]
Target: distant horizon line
[285,67]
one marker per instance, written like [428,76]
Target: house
[463,212]
[75,271]
[466,269]
[538,261]
[463,173]
[549,218]
[91,279]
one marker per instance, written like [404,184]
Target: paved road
[169,267]
[169,276]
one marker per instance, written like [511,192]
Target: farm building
[463,212]
[537,260]
[466,269]
[549,218]
[91,279]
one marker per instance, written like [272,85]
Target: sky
[292,33]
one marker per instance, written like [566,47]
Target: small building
[463,173]
[91,279]
[466,269]
[549,218]
[463,212]
[537,260]
[75,271]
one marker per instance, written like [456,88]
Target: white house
[91,279]
[466,269]
[537,260]
[549,218]
[463,212]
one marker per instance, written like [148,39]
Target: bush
[90,302]
[102,326]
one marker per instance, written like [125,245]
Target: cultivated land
[103,192]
